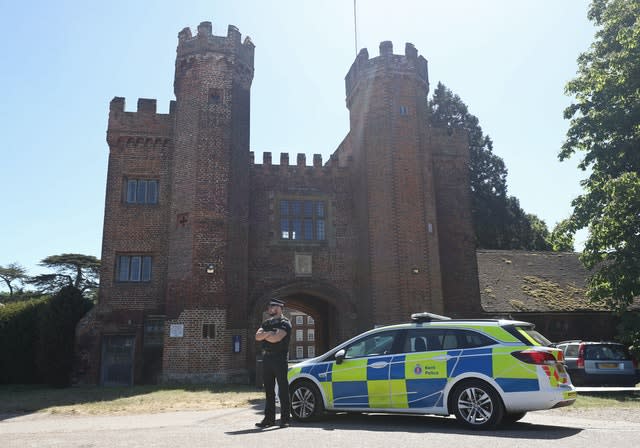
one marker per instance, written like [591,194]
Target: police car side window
[422,340]
[375,344]
[457,339]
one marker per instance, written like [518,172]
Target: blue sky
[63,61]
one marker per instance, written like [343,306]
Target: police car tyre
[306,401]
[477,405]
[513,417]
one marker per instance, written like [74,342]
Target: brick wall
[194,358]
[457,238]
[272,260]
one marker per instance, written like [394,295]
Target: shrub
[56,334]
[18,339]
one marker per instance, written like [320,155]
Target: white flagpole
[355,27]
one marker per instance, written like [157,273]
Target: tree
[12,273]
[561,238]
[77,270]
[605,128]
[538,233]
[499,222]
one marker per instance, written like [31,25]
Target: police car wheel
[477,405]
[306,402]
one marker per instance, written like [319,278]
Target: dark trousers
[275,369]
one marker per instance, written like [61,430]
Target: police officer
[274,333]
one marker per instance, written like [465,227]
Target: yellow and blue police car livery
[524,374]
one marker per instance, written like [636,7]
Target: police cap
[276,302]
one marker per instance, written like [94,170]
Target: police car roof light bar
[427,317]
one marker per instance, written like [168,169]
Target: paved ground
[235,428]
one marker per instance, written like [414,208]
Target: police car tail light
[535,357]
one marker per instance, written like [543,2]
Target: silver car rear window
[606,351]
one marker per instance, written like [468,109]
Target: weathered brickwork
[193,357]
[389,211]
[458,264]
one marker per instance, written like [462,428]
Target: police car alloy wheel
[306,402]
[477,405]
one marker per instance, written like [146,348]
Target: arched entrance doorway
[324,304]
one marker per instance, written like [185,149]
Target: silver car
[599,363]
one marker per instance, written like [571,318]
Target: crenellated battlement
[387,63]
[301,162]
[142,126]
[144,106]
[205,42]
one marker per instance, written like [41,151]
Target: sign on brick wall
[303,264]
[176,330]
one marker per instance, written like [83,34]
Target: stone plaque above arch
[302,265]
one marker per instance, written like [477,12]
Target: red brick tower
[208,232]
[393,185]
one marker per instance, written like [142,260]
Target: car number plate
[608,365]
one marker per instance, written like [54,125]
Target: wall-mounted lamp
[211,268]
[415,270]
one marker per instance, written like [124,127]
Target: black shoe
[265,423]
[284,423]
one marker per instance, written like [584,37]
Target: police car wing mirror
[339,356]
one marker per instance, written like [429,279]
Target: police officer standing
[274,333]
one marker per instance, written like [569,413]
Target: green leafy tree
[12,275]
[499,221]
[538,233]
[77,270]
[605,129]
[561,237]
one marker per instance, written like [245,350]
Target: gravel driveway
[613,427]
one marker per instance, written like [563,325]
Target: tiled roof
[525,281]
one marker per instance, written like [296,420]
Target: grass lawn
[124,400]
[93,400]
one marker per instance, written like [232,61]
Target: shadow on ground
[425,424]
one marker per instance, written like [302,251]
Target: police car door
[420,383]
[361,379]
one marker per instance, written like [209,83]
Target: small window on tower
[153,331]
[403,110]
[208,331]
[215,96]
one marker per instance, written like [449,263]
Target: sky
[62,62]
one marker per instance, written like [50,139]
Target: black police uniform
[275,365]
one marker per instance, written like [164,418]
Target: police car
[483,371]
